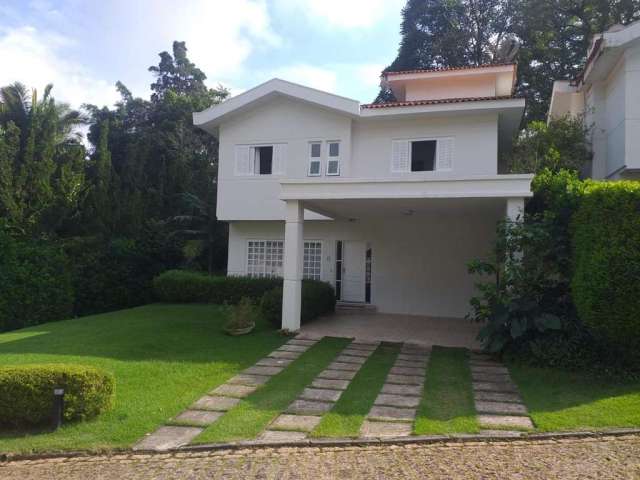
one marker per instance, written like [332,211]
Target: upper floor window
[315,149]
[422,155]
[260,159]
[333,159]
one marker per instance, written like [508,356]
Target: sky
[84,46]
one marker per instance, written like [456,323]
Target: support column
[515,209]
[293,259]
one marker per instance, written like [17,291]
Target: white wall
[418,263]
[453,87]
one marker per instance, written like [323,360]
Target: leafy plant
[243,315]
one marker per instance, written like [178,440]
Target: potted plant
[242,319]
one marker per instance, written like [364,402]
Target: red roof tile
[446,69]
[414,103]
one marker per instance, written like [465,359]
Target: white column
[515,209]
[293,258]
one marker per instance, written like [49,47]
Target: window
[312,266]
[264,258]
[333,160]
[314,158]
[263,160]
[423,155]
[338,269]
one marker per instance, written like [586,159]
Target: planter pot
[240,331]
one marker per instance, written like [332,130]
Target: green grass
[347,415]
[247,419]
[447,402]
[163,358]
[559,400]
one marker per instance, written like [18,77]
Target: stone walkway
[394,410]
[189,424]
[305,413]
[497,400]
[589,458]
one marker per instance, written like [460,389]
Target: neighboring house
[387,202]
[607,93]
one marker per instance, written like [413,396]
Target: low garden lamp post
[58,408]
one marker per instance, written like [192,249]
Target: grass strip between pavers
[250,417]
[447,402]
[347,415]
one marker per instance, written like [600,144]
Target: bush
[26,392]
[606,259]
[318,298]
[35,284]
[243,315]
[181,286]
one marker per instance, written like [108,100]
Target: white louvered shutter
[400,156]
[279,166]
[445,154]
[244,160]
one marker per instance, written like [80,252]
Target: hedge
[318,298]
[606,259]
[35,282]
[26,392]
[182,286]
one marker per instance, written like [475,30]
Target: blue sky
[84,46]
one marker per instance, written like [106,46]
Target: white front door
[353,271]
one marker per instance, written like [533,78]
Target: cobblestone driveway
[602,458]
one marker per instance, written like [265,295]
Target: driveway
[591,458]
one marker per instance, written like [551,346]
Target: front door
[353,271]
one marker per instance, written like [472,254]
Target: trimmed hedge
[181,286]
[606,259]
[318,298]
[26,392]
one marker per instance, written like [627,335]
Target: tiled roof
[446,69]
[439,101]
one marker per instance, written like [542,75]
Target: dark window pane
[315,150]
[423,154]
[266,160]
[334,149]
[314,168]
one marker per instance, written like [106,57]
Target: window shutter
[445,154]
[244,160]
[279,166]
[400,156]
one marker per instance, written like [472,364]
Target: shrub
[26,392]
[35,284]
[181,286]
[243,315]
[318,298]
[606,280]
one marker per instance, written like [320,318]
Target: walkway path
[590,458]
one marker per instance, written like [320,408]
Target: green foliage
[318,298]
[557,145]
[182,286]
[26,392]
[35,283]
[606,282]
[243,315]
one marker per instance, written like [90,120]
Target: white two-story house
[387,202]
[607,95]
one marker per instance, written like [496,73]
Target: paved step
[168,437]
[506,421]
[372,429]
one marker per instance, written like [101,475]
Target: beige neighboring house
[387,202]
[607,93]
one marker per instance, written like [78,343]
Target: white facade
[608,95]
[388,204]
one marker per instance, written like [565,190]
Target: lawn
[560,400]
[347,415]
[163,358]
[247,419]
[447,403]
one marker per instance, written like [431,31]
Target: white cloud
[308,75]
[346,13]
[38,58]
[368,73]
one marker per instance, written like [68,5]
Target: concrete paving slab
[334,384]
[349,359]
[302,342]
[407,371]
[251,380]
[300,423]
[391,400]
[497,396]
[337,375]
[490,369]
[490,377]
[320,394]
[231,390]
[274,362]
[355,353]
[363,347]
[308,407]
[500,408]
[509,421]
[168,437]
[282,436]
[405,363]
[502,387]
[293,348]
[391,414]
[283,354]
[413,358]
[405,379]
[350,367]
[220,404]
[198,417]
[408,390]
[385,429]
[268,371]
